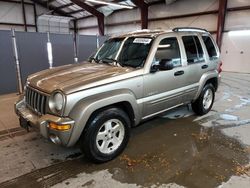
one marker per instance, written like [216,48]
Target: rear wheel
[205,101]
[106,135]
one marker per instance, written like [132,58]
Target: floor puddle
[160,151]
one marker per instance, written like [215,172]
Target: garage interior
[176,149]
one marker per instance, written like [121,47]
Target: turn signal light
[220,67]
[58,127]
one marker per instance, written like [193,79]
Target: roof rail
[189,29]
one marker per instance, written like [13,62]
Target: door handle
[204,66]
[178,73]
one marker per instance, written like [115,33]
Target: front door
[163,89]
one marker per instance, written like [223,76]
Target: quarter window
[168,50]
[210,47]
[193,49]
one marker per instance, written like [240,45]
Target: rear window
[210,47]
[193,49]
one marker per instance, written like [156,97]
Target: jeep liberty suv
[130,78]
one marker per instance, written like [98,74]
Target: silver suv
[129,79]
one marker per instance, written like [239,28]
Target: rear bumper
[41,123]
[219,79]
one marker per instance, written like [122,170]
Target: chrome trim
[35,100]
[151,115]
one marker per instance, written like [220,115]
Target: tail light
[220,67]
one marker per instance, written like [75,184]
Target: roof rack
[189,29]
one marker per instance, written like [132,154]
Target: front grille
[35,100]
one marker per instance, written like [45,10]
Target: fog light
[55,139]
[59,127]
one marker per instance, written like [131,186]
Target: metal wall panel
[8,81]
[62,49]
[86,46]
[102,39]
[33,57]
[32,52]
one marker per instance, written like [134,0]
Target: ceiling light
[239,33]
[111,4]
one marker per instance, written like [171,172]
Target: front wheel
[205,101]
[106,135]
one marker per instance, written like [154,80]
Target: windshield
[110,49]
[133,53]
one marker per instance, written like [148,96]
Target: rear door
[196,65]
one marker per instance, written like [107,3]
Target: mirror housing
[165,64]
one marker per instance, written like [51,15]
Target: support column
[35,16]
[100,20]
[24,15]
[221,21]
[144,12]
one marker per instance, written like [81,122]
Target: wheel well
[214,82]
[125,106]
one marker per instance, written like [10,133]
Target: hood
[74,77]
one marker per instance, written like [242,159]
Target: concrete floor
[177,149]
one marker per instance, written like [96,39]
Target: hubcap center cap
[109,135]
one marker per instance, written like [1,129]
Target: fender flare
[82,111]
[204,78]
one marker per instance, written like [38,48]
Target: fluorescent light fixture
[110,3]
[50,56]
[239,33]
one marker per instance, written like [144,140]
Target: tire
[106,135]
[200,107]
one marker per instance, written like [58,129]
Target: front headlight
[56,102]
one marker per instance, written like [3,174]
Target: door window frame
[157,44]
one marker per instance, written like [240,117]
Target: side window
[210,47]
[193,49]
[168,50]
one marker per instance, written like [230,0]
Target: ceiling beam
[157,2]
[50,7]
[75,11]
[144,12]
[93,11]
[51,1]
[16,2]
[64,6]
[221,21]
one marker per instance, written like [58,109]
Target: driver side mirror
[165,64]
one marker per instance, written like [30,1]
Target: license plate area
[24,123]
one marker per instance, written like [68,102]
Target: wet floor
[160,151]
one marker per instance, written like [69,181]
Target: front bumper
[41,122]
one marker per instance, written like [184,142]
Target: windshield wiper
[109,60]
[93,58]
